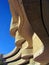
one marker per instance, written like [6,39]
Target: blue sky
[6,40]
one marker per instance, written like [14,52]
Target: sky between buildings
[6,40]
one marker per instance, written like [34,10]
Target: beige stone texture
[32,62]
[19,62]
[27,24]
[13,27]
[11,53]
[19,40]
[18,54]
[38,46]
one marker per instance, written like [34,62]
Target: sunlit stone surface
[30,32]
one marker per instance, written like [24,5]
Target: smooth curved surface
[38,46]
[32,9]
[19,62]
[18,55]
[11,53]
[13,28]
[45,12]
[14,57]
[19,40]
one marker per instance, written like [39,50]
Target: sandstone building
[30,28]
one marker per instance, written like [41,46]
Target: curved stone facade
[30,29]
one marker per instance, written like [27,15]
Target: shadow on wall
[34,14]
[47,64]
